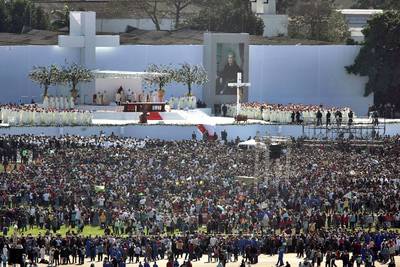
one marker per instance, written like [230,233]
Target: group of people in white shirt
[132,96]
[33,115]
[58,102]
[184,102]
[286,113]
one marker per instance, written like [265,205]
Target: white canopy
[109,74]
[251,143]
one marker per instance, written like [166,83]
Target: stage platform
[176,125]
[170,131]
[174,117]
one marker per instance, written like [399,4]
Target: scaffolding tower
[366,130]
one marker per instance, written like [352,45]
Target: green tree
[379,58]
[152,8]
[41,19]
[377,4]
[17,15]
[3,16]
[283,6]
[177,7]
[60,17]
[28,12]
[226,16]
[318,20]
[338,29]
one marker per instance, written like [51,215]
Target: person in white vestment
[97,98]
[62,102]
[42,118]
[173,102]
[4,117]
[123,97]
[71,102]
[51,102]
[59,118]
[104,98]
[57,102]
[193,102]
[155,96]
[46,102]
[118,98]
[66,103]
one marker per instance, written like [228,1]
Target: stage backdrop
[279,74]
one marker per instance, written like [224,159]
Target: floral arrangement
[191,74]
[73,75]
[160,80]
[46,76]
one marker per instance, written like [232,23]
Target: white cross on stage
[82,34]
[238,85]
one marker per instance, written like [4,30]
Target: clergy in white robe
[46,102]
[51,102]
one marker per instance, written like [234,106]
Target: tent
[251,143]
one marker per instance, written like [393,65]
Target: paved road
[264,261]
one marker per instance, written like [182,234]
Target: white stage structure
[108,82]
[82,35]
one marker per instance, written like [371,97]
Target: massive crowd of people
[291,113]
[160,199]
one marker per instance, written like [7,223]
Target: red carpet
[154,116]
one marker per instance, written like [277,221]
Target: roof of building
[360,11]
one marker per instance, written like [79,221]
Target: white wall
[279,74]
[306,74]
[17,61]
[171,132]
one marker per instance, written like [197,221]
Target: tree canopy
[15,14]
[381,4]
[318,20]
[379,57]
[226,16]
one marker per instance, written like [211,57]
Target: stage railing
[362,128]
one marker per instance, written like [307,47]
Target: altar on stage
[144,106]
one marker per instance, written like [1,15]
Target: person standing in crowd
[338,117]
[319,118]
[224,110]
[350,115]
[281,251]
[224,136]
[328,118]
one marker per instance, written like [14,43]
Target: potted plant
[159,75]
[191,74]
[75,74]
[45,76]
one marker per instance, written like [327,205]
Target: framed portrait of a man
[224,55]
[229,63]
